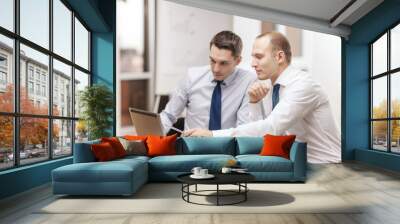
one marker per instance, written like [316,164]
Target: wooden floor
[378,188]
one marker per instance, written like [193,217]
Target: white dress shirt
[195,93]
[303,110]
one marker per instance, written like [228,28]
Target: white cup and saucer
[200,173]
[226,170]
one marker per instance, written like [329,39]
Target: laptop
[145,122]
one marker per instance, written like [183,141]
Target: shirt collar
[228,80]
[284,78]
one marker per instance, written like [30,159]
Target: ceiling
[327,16]
[321,9]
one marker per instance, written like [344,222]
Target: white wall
[183,37]
[248,30]
[323,53]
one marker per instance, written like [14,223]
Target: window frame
[388,74]
[16,114]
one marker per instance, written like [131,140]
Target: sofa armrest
[83,152]
[298,155]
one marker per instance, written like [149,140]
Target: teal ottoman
[118,177]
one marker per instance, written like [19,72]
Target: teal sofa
[125,176]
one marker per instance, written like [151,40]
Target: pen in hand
[177,130]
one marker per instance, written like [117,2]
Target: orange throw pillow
[135,138]
[277,145]
[116,145]
[103,152]
[161,145]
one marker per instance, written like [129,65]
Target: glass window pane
[34,97]
[62,29]
[81,81]
[81,45]
[62,141]
[379,55]
[6,74]
[6,142]
[33,139]
[7,14]
[395,47]
[81,131]
[35,21]
[395,138]
[395,94]
[379,98]
[379,135]
[62,89]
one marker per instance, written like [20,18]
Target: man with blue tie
[215,96]
[296,105]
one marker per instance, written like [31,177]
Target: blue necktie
[215,109]
[275,95]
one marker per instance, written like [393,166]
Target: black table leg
[182,190]
[245,193]
[217,194]
[188,190]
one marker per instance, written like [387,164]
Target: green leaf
[97,106]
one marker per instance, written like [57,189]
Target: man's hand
[257,91]
[197,132]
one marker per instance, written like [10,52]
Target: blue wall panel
[356,99]
[102,59]
[103,53]
[356,85]
[103,67]
[24,178]
[377,158]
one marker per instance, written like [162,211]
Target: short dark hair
[228,40]
[279,42]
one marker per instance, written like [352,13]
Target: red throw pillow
[103,151]
[277,145]
[161,145]
[116,145]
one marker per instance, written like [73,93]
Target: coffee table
[238,179]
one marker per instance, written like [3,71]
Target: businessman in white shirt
[295,105]
[215,96]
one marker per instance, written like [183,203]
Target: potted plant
[96,103]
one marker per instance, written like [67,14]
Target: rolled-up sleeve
[175,105]
[299,100]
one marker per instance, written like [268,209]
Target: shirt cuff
[223,133]
[255,110]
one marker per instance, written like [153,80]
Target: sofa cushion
[185,163]
[131,158]
[112,171]
[257,163]
[206,145]
[249,145]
